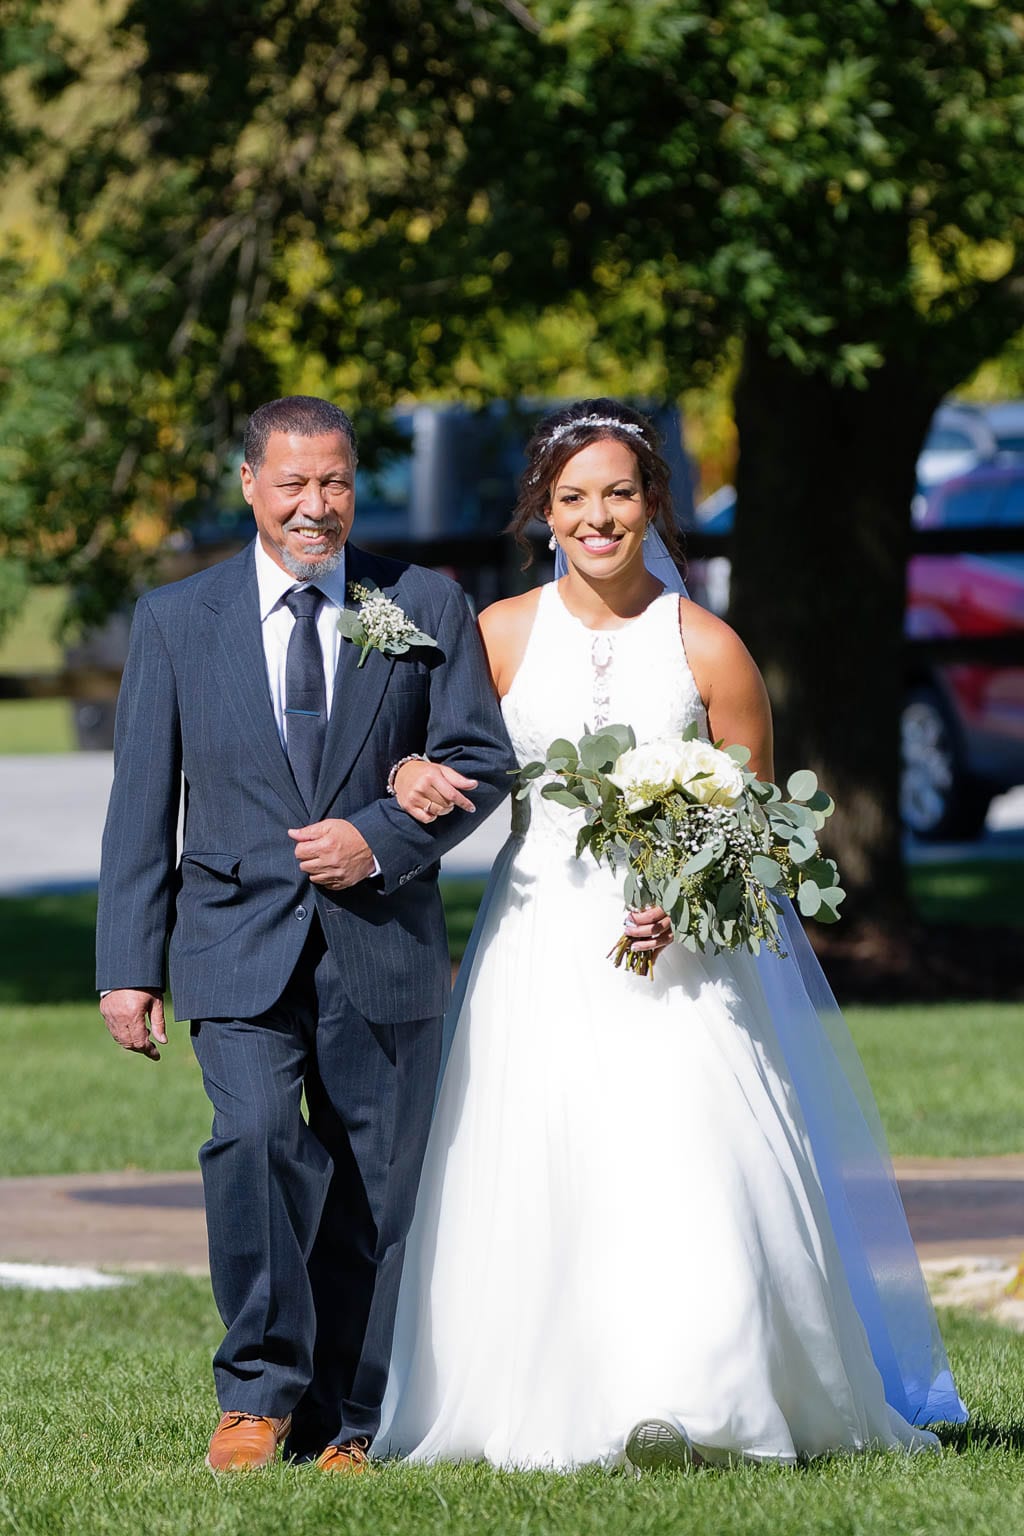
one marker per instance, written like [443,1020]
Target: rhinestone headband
[565,427]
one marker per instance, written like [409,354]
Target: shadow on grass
[47,946]
[983,1435]
[974,892]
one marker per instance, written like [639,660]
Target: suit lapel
[241,668]
[358,692]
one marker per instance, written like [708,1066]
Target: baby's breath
[380,623]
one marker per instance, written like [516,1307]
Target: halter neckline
[614,629]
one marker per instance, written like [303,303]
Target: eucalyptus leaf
[700,860]
[560,795]
[803,845]
[766,870]
[564,751]
[738,753]
[351,627]
[808,898]
[822,871]
[623,736]
[802,784]
[599,751]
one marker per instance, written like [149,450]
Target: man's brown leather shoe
[244,1442]
[350,1457]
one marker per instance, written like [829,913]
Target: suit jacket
[195,710]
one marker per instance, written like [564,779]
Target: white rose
[724,784]
[649,770]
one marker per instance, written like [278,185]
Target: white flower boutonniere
[380,624]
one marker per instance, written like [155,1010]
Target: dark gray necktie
[305,695]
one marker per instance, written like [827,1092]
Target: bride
[657,1223]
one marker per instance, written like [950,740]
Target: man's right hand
[135,1019]
[427,790]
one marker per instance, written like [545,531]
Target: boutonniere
[379,624]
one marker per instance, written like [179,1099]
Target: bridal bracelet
[413,757]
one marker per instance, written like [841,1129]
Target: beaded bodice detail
[574,679]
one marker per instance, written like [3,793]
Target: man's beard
[309,570]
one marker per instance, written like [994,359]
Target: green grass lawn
[108,1403]
[947,1077]
[31,645]
[35,725]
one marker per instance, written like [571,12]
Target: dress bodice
[573,679]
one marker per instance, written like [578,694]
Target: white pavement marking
[55,1277]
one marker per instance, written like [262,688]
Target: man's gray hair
[304,415]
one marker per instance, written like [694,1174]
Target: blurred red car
[963,725]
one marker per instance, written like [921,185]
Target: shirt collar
[273,582]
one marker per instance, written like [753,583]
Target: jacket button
[300,913]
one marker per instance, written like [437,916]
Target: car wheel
[938,798]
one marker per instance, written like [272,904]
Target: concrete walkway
[970,1208]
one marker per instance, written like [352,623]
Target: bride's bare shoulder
[505,627]
[713,647]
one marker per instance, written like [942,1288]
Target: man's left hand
[332,853]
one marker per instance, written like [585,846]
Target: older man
[307,937]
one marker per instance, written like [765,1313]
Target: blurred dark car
[962,736]
[963,725]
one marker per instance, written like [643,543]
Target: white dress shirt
[276,622]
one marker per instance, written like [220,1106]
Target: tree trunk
[825,481]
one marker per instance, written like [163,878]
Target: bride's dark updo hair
[560,436]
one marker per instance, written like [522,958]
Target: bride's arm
[730,685]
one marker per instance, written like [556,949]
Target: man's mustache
[320,524]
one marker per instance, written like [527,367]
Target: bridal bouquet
[697,833]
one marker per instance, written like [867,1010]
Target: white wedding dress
[620,1216]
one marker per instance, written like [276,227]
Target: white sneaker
[655,1443]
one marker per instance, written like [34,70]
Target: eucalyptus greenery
[713,859]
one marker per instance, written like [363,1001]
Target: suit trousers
[307,1216]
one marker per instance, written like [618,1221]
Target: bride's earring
[553,542]
[647,529]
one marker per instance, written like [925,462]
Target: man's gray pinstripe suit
[291,987]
